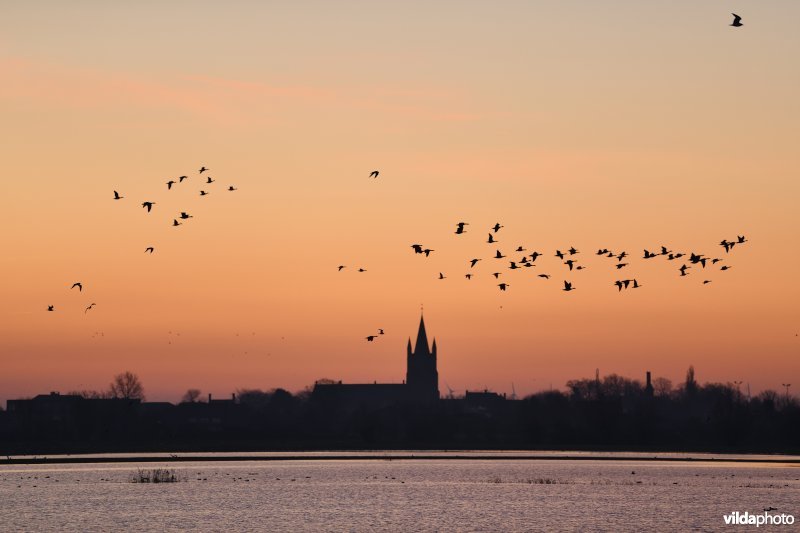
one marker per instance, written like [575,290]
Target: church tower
[422,378]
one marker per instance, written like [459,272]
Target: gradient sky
[619,124]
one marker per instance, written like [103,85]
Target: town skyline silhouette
[609,412]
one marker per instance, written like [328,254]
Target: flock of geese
[148,205]
[525,261]
[568,258]
[620,259]
[572,263]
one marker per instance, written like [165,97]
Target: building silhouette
[421,385]
[648,388]
[422,377]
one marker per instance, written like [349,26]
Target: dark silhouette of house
[66,409]
[483,398]
[421,385]
[57,416]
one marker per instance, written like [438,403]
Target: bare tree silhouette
[662,386]
[191,396]
[128,386]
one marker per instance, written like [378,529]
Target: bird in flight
[513,265]
[149,249]
[232,188]
[417,248]
[50,308]
[737,20]
[534,255]
[496,275]
[706,281]
[362,270]
[203,169]
[497,227]
[636,284]
[148,205]
[683,269]
[726,267]
[77,284]
[374,174]
[569,263]
[170,183]
[559,254]
[740,239]
[727,245]
[498,255]
[573,251]
[460,228]
[371,338]
[545,276]
[472,262]
[441,276]
[491,239]
[380,331]
[341,267]
[648,255]
[568,286]
[427,251]
[88,308]
[117,196]
[503,286]
[622,256]
[618,283]
[520,249]
[175,222]
[468,276]
[203,193]
[185,215]
[695,258]
[181,178]
[209,180]
[620,265]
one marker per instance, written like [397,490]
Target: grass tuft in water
[156,475]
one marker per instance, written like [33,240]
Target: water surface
[474,494]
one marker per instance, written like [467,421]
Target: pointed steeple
[422,378]
[422,339]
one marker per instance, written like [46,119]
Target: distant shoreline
[459,456]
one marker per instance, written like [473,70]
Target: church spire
[422,339]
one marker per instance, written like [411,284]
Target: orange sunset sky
[621,124]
